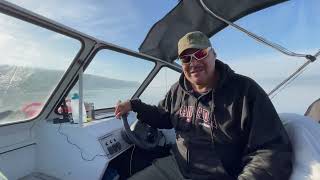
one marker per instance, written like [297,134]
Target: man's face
[199,72]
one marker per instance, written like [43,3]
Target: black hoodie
[231,132]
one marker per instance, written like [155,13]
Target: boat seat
[314,111]
[38,176]
[304,135]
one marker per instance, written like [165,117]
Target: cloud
[108,20]
[26,45]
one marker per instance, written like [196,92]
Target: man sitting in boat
[226,126]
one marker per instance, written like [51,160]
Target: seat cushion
[304,134]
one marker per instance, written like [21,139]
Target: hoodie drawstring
[212,116]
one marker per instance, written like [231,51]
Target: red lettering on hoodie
[186,111]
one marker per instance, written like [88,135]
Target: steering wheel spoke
[142,135]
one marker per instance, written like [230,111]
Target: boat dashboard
[84,151]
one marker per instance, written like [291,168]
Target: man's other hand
[122,108]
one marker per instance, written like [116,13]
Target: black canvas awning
[188,15]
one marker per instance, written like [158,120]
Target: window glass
[159,86]
[112,76]
[33,60]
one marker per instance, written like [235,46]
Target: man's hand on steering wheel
[122,108]
[142,134]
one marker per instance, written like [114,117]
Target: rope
[286,85]
[275,46]
[294,75]
[254,36]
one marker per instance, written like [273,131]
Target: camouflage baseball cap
[195,39]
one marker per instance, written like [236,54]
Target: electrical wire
[78,147]
[131,158]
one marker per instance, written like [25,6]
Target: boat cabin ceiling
[62,70]
[162,39]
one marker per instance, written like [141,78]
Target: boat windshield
[112,76]
[33,61]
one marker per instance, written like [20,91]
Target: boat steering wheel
[142,135]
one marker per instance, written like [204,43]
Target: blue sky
[126,22]
[294,25]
